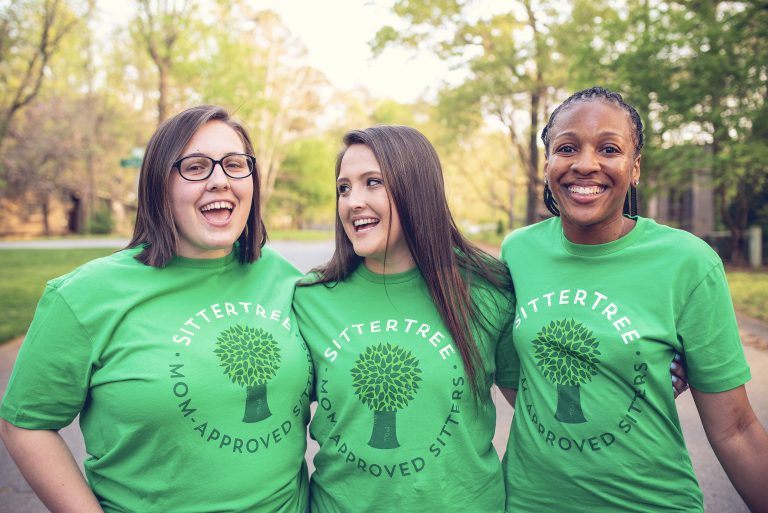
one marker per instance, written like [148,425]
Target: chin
[220,244]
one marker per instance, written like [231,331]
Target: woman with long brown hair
[403,324]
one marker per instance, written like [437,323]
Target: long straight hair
[449,263]
[155,228]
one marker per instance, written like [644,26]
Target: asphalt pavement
[719,495]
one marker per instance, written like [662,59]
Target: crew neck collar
[402,277]
[593,250]
[204,263]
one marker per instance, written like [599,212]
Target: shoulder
[686,246]
[309,286]
[311,297]
[98,272]
[273,262]
[541,231]
[544,227]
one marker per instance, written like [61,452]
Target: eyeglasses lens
[199,167]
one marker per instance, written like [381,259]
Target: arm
[679,376]
[47,464]
[739,441]
[510,394]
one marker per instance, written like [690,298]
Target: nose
[356,198]
[587,161]
[218,178]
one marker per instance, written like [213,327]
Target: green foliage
[566,352]
[250,356]
[101,221]
[305,187]
[697,73]
[31,33]
[513,64]
[386,377]
[23,275]
[390,112]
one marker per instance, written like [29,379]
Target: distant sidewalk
[753,332]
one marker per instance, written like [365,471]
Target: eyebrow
[364,175]
[201,154]
[604,133]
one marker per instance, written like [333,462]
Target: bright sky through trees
[337,35]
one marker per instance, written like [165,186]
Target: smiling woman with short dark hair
[178,353]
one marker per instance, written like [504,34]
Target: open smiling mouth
[586,190]
[365,224]
[218,211]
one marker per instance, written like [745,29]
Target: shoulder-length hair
[449,263]
[155,228]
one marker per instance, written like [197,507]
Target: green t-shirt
[595,426]
[191,382]
[398,427]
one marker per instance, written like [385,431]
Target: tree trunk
[569,404]
[739,223]
[737,256]
[45,206]
[533,162]
[384,434]
[256,407]
[162,100]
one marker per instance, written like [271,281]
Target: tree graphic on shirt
[385,378]
[250,358]
[567,354]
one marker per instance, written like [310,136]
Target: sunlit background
[84,83]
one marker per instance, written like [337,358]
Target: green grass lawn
[24,272]
[304,235]
[23,275]
[750,293]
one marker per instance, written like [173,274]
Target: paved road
[63,243]
[304,255]
[719,495]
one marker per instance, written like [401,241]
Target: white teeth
[217,205]
[594,189]
[367,220]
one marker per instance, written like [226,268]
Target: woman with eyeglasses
[179,353]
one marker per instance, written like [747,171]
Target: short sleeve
[709,335]
[50,379]
[507,361]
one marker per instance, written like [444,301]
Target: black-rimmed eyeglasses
[199,167]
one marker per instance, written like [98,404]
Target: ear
[634,175]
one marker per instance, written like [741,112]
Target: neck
[390,265]
[604,234]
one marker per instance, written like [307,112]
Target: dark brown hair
[449,263]
[155,228]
